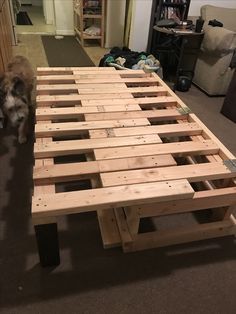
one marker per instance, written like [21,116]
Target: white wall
[48,10]
[140,25]
[64,17]
[115,19]
[194,9]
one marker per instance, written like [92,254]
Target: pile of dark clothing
[127,59]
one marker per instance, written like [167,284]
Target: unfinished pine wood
[142,150]
[67,203]
[182,148]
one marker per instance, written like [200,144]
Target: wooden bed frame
[136,150]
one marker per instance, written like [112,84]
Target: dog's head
[13,99]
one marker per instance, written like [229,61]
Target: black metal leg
[48,245]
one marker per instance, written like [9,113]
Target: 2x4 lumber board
[126,237]
[73,112]
[66,87]
[158,101]
[223,152]
[110,89]
[184,129]
[127,80]
[46,100]
[98,79]
[181,235]
[52,70]
[125,73]
[44,189]
[176,149]
[78,127]
[109,102]
[109,198]
[71,147]
[73,171]
[155,115]
[193,173]
[132,90]
[109,229]
[201,200]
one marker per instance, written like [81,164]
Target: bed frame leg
[48,245]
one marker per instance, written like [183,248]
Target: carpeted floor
[57,52]
[197,278]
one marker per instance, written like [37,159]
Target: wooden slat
[72,171]
[108,227]
[110,89]
[71,147]
[181,148]
[74,112]
[201,200]
[78,127]
[102,198]
[154,115]
[58,100]
[163,130]
[158,101]
[104,79]
[181,235]
[61,70]
[193,173]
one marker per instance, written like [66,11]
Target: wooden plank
[180,148]
[44,174]
[128,73]
[181,235]
[166,100]
[157,101]
[47,205]
[154,115]
[61,70]
[71,147]
[201,200]
[125,235]
[109,102]
[193,173]
[60,100]
[110,89]
[80,127]
[133,90]
[163,130]
[74,112]
[109,229]
[104,79]
[46,89]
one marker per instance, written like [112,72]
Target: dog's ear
[19,87]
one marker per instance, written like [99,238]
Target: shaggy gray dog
[15,94]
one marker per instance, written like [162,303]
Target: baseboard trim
[65,32]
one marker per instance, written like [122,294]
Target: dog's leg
[22,131]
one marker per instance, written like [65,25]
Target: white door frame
[49,12]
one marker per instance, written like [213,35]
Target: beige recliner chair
[212,71]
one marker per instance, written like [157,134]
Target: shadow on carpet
[65,52]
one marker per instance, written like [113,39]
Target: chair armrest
[218,41]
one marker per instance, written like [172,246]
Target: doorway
[34,16]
